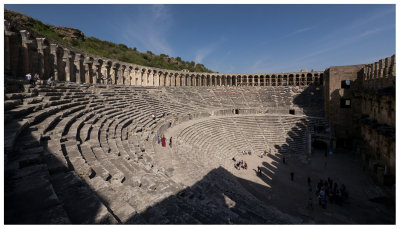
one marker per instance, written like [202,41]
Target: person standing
[163,141]
[28,77]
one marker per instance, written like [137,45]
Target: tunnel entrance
[319,146]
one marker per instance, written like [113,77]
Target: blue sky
[238,38]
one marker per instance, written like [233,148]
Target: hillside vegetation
[77,39]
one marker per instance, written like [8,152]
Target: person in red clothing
[245,165]
[163,141]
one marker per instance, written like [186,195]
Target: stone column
[106,71]
[129,75]
[173,80]
[77,63]
[162,78]
[157,78]
[88,70]
[125,79]
[40,48]
[139,75]
[136,77]
[167,80]
[96,75]
[178,79]
[25,48]
[54,60]
[121,74]
[67,63]
[114,74]
[150,81]
[7,53]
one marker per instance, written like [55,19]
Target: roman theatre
[114,142]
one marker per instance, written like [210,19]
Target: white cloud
[207,50]
[149,28]
[302,30]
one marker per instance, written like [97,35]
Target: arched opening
[279,80]
[319,146]
[273,80]
[262,81]
[309,79]
[267,80]
[244,81]
[256,83]
[316,79]
[291,80]
[250,81]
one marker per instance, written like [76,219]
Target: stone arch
[309,79]
[303,80]
[107,71]
[262,80]
[244,80]
[88,66]
[208,80]
[239,80]
[285,80]
[115,76]
[273,80]
[163,78]
[122,77]
[168,79]
[297,82]
[291,80]
[137,76]
[256,81]
[279,82]
[202,80]
[316,79]
[267,80]
[97,73]
[229,80]
[250,80]
[192,79]
[130,78]
[223,80]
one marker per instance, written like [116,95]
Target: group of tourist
[163,141]
[329,190]
[244,152]
[33,80]
[239,164]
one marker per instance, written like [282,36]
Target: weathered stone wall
[368,123]
[50,58]
[341,118]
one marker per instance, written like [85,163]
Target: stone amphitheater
[86,151]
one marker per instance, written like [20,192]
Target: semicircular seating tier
[80,153]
